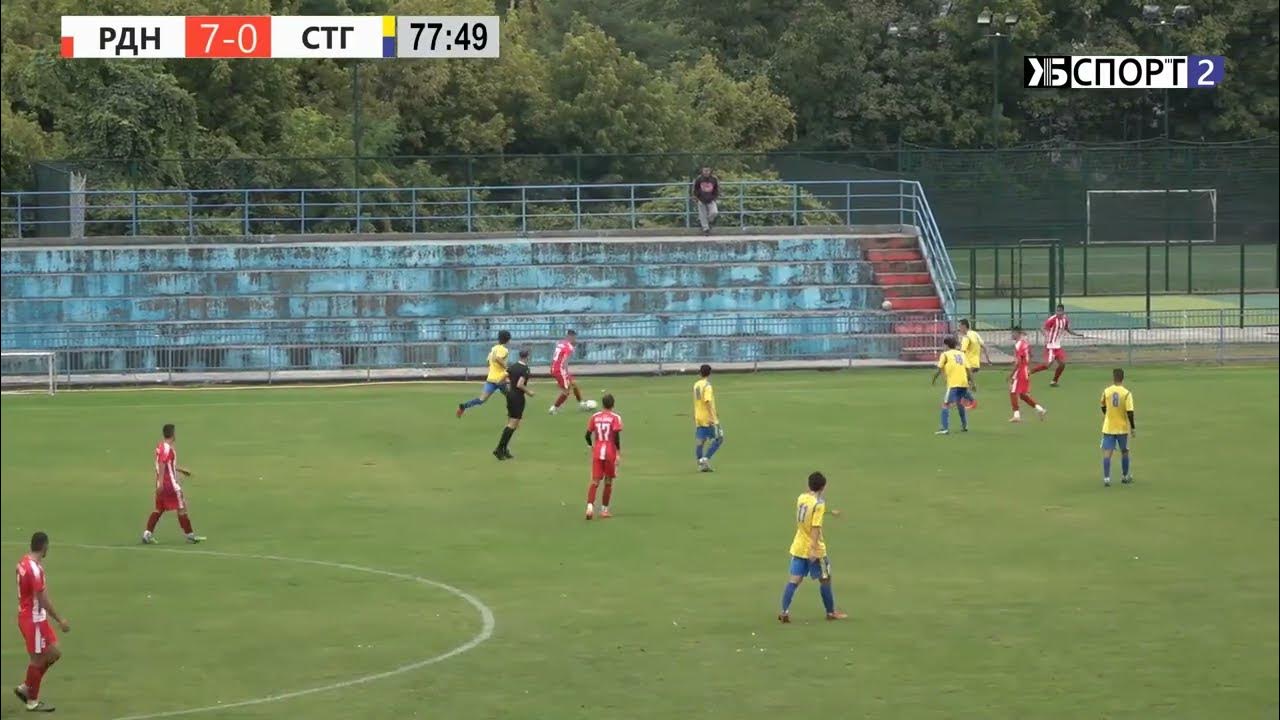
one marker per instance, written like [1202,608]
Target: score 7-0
[244,47]
[228,37]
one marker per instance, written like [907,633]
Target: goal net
[1151,216]
[27,370]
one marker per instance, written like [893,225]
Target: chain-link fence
[1032,276]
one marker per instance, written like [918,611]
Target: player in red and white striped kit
[560,371]
[168,490]
[1020,378]
[604,435]
[1056,327]
[34,611]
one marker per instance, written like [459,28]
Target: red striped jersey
[166,467]
[1022,354]
[31,580]
[560,360]
[1054,330]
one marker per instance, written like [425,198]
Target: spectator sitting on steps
[706,190]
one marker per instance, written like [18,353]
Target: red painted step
[903,279]
[914,355]
[900,266]
[917,303]
[901,241]
[893,292]
[894,255]
[932,328]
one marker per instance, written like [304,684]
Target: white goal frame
[51,366]
[1211,192]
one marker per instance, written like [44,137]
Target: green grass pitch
[988,575]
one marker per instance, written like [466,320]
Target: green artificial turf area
[987,575]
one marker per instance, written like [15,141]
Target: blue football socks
[828,597]
[715,445]
[964,420]
[946,418]
[1124,464]
[788,593]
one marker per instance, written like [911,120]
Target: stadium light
[988,19]
[902,31]
[1154,15]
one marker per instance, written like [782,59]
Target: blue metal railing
[511,209]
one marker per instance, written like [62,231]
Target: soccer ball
[590,405]
[886,305]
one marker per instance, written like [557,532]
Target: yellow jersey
[952,364]
[704,404]
[971,346]
[497,364]
[1117,403]
[810,509]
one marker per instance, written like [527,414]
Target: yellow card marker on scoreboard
[388,36]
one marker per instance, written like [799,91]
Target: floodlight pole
[995,90]
[355,121]
[1164,45]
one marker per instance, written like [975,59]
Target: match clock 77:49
[447,36]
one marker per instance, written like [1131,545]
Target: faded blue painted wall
[440,303]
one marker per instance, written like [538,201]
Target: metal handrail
[240,211]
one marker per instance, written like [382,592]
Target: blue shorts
[1109,442]
[816,569]
[490,388]
[705,432]
[955,395]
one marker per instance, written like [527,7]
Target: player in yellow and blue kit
[952,363]
[975,352]
[1117,426]
[809,550]
[496,380]
[706,420]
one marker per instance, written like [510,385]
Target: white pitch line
[486,630]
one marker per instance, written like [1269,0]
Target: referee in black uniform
[518,379]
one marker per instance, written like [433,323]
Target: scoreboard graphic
[264,36]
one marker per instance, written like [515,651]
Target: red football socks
[560,400]
[577,393]
[608,492]
[185,522]
[35,673]
[1058,373]
[1013,401]
[153,521]
[1026,398]
[591,491]
[1039,368]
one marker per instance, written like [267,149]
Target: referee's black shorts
[515,404]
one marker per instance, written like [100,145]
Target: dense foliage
[643,78]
